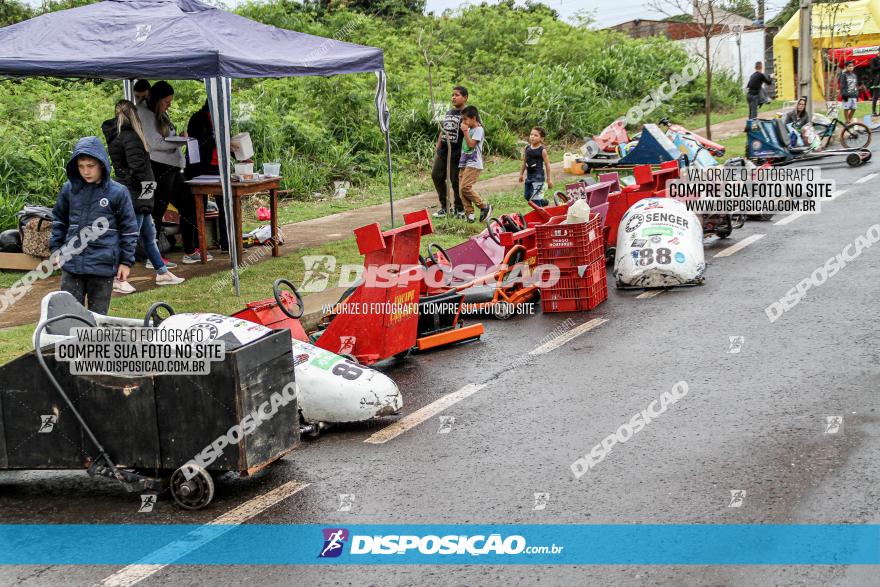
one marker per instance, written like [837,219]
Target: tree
[744,8]
[710,20]
[785,14]
[12,12]
[383,8]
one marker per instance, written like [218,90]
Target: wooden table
[239,190]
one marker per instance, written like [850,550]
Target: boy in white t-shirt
[471,163]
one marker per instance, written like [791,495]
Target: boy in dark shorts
[535,169]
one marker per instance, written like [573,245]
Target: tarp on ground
[170,39]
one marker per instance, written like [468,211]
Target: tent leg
[390,187]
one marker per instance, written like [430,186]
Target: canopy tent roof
[860,56]
[839,20]
[170,39]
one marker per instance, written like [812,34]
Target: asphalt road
[753,421]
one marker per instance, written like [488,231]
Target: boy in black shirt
[754,86]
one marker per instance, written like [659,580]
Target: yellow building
[847,25]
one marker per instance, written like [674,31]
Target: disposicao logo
[334,541]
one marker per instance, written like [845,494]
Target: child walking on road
[536,167]
[471,163]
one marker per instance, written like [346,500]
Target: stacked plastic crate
[578,251]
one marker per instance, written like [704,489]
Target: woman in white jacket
[168,164]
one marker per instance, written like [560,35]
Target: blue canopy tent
[182,39]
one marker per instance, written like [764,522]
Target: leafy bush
[573,81]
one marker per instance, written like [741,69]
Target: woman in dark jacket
[131,166]
[168,163]
[201,128]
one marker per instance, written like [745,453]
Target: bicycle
[854,135]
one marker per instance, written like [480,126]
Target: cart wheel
[610,253]
[195,493]
[855,136]
[503,310]
[853,160]
[723,232]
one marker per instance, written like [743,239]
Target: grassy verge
[695,121]
[297,210]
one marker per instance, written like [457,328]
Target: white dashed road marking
[412,420]
[867,178]
[133,574]
[564,338]
[740,245]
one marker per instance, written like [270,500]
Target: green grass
[211,293]
[298,210]
[698,120]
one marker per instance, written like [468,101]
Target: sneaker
[168,263]
[195,257]
[485,212]
[168,278]
[441,213]
[122,287]
[459,214]
[471,218]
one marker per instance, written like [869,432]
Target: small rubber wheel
[853,160]
[191,487]
[723,232]
[610,253]
[503,310]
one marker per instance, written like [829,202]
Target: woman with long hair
[131,165]
[168,164]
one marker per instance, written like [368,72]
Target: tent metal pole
[390,188]
[219,90]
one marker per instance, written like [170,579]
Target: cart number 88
[647,257]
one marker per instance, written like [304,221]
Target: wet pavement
[753,421]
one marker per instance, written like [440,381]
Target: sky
[605,12]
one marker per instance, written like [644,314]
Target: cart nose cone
[384,395]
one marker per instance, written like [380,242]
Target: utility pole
[760,13]
[805,55]
[738,31]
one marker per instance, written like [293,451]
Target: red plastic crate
[570,245]
[576,293]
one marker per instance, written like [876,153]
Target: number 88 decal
[663,257]
[347,370]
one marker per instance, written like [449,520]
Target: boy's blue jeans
[147,231]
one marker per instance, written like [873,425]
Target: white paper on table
[192,151]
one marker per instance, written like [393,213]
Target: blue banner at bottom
[268,544]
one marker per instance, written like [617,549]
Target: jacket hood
[93,147]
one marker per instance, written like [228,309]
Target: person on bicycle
[849,91]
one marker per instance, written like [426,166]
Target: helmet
[10,241]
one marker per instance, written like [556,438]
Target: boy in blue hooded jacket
[90,199]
